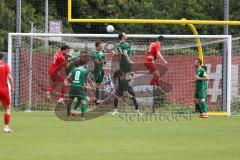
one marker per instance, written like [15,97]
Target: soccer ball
[110,28]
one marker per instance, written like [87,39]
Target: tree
[33,11]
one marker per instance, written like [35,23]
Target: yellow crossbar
[147,21]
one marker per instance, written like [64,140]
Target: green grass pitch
[42,136]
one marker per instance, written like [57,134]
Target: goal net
[30,55]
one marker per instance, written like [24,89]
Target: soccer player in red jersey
[5,77]
[152,54]
[56,73]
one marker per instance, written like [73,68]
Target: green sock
[125,84]
[197,107]
[84,107]
[97,93]
[77,104]
[204,107]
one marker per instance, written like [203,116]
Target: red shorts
[57,77]
[5,99]
[149,63]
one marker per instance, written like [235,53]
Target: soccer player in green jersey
[99,61]
[125,51]
[70,66]
[75,53]
[78,77]
[201,78]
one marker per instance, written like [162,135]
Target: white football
[110,28]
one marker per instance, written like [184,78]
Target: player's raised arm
[161,57]
[158,47]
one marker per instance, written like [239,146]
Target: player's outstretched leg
[62,94]
[98,76]
[125,84]
[97,92]
[131,91]
[51,88]
[115,101]
[69,107]
[155,81]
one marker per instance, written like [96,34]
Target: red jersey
[58,62]
[153,49]
[4,71]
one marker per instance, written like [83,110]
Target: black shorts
[119,91]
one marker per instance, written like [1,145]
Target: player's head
[64,49]
[1,55]
[122,36]
[197,62]
[80,62]
[98,45]
[160,39]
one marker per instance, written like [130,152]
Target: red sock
[152,81]
[6,119]
[50,89]
[157,81]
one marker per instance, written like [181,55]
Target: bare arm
[162,58]
[10,79]
[113,52]
[67,79]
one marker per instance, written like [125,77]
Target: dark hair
[64,47]
[80,62]
[199,61]
[1,55]
[97,43]
[120,35]
[160,38]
